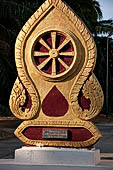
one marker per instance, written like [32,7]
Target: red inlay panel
[75,134]
[84,102]
[28,102]
[55,103]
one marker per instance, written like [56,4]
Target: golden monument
[56,92]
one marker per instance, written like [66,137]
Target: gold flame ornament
[56,92]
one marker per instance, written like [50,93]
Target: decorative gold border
[79,83]
[21,39]
[88,125]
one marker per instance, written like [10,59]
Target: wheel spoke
[44,43]
[63,44]
[67,53]
[36,53]
[64,64]
[53,36]
[44,63]
[54,67]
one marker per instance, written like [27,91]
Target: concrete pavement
[7,147]
[106,143]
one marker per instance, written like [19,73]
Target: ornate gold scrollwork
[33,84]
[91,90]
[18,99]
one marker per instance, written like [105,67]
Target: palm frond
[12,9]
[104,27]
[6,33]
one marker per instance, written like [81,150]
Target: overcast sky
[107,8]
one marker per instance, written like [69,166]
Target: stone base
[48,158]
[57,156]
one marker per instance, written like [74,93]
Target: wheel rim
[54,53]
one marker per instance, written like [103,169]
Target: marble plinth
[48,158]
[57,156]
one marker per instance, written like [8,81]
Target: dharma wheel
[54,53]
[56,93]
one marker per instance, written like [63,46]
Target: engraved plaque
[55,134]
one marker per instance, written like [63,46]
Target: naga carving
[56,92]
